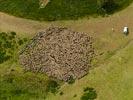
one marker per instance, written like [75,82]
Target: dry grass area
[60,53]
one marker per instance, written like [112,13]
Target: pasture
[111,75]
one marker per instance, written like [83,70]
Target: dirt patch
[59,52]
[43,3]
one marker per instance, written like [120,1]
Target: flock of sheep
[59,53]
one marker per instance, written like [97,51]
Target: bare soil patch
[44,3]
[60,53]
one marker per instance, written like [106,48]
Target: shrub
[8,45]
[71,80]
[61,93]
[3,57]
[75,95]
[13,33]
[53,86]
[89,94]
[20,42]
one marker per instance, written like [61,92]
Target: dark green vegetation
[53,86]
[15,83]
[110,6]
[71,80]
[61,9]
[9,42]
[61,93]
[89,94]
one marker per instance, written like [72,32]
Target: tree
[107,6]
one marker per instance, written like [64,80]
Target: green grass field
[59,9]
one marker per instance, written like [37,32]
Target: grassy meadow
[61,9]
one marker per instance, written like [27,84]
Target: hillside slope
[61,9]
